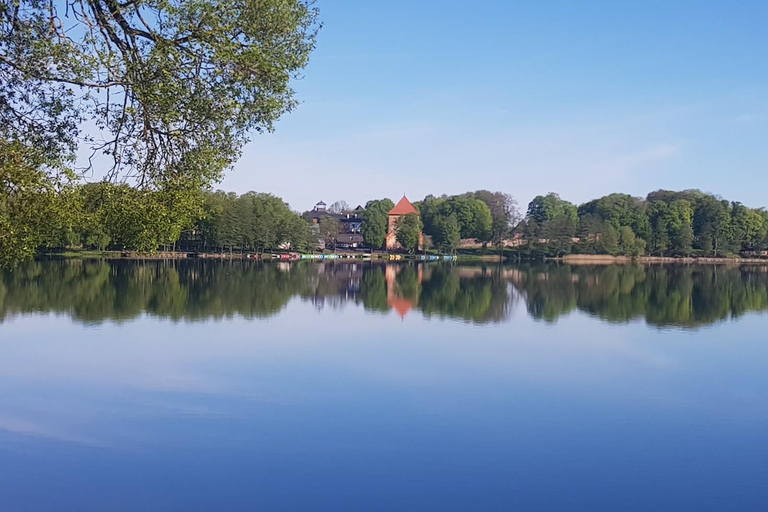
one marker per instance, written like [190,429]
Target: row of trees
[482,215]
[249,222]
[103,215]
[37,214]
[665,223]
[163,95]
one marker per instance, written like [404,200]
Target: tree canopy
[376,222]
[473,216]
[408,232]
[665,223]
[174,87]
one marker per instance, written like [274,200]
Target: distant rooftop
[404,207]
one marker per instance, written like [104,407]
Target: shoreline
[604,259]
[570,259]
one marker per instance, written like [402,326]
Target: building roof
[321,203]
[349,238]
[404,207]
[319,214]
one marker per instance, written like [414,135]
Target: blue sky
[582,98]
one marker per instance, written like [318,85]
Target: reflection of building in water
[402,297]
[336,284]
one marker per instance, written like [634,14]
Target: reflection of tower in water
[399,297]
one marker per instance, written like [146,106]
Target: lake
[237,386]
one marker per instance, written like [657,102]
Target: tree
[339,207]
[31,203]
[408,232]
[173,90]
[532,234]
[504,214]
[609,240]
[329,230]
[658,213]
[447,234]
[472,215]
[550,207]
[559,233]
[627,240]
[684,240]
[712,224]
[620,210]
[208,223]
[680,215]
[749,227]
[639,248]
[297,234]
[375,222]
[231,225]
[705,242]
[588,232]
[173,87]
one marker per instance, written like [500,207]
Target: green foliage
[559,233]
[146,220]
[480,298]
[504,213]
[106,216]
[551,207]
[686,296]
[174,86]
[329,230]
[174,89]
[588,232]
[34,205]
[94,291]
[609,240]
[619,210]
[472,215]
[447,233]
[375,222]
[373,289]
[250,222]
[627,240]
[408,232]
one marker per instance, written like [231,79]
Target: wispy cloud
[33,429]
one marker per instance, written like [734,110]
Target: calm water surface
[202,386]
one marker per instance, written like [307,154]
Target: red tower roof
[404,207]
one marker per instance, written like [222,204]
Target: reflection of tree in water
[373,290]
[470,293]
[686,296]
[94,291]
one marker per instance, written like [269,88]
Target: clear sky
[579,97]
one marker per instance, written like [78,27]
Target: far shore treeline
[104,216]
